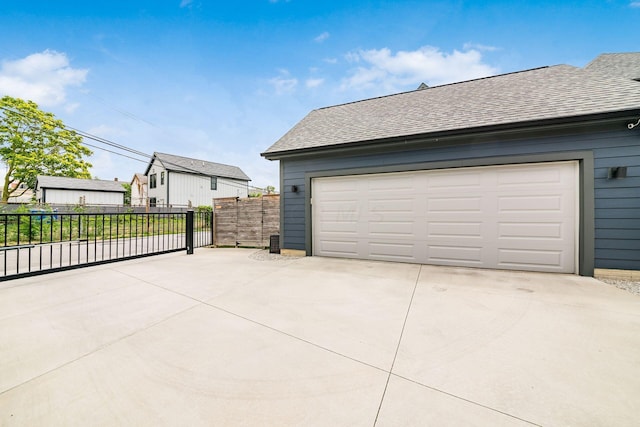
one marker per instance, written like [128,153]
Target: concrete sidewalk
[225,337]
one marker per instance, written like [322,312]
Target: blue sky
[222,81]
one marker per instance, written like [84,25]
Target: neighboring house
[59,190]
[21,195]
[534,170]
[182,181]
[139,190]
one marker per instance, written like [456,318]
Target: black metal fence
[42,242]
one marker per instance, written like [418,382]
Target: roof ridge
[73,177]
[198,160]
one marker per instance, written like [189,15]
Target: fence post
[189,232]
[212,224]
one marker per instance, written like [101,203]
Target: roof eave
[146,172]
[504,129]
[208,175]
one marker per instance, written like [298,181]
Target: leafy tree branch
[33,142]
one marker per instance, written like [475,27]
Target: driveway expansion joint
[395,355]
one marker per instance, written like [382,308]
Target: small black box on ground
[274,244]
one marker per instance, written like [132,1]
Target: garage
[514,217]
[555,184]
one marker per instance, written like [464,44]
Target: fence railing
[37,243]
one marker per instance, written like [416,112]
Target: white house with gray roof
[58,190]
[534,170]
[182,181]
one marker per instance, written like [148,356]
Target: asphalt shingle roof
[61,182]
[560,91]
[625,65]
[185,164]
[141,177]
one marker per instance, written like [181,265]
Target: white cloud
[331,60]
[41,77]
[185,3]
[322,37]
[352,57]
[70,108]
[635,4]
[284,83]
[480,47]
[310,83]
[381,68]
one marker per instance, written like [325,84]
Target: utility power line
[116,145]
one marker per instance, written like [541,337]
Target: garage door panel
[391,229]
[531,259]
[471,203]
[339,247]
[455,255]
[439,181]
[381,206]
[511,217]
[392,185]
[542,175]
[530,203]
[529,230]
[341,205]
[454,229]
[340,196]
[341,227]
[392,251]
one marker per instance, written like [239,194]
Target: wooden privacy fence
[246,222]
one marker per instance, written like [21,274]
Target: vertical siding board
[72,197]
[197,189]
[160,191]
[610,148]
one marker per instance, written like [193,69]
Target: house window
[152,181]
[152,201]
[162,178]
[214,182]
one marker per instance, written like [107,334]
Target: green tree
[127,194]
[33,142]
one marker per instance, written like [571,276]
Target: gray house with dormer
[537,170]
[183,181]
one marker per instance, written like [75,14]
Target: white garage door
[517,217]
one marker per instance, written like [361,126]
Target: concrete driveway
[226,337]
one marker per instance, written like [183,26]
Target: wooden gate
[246,222]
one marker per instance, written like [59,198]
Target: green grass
[37,229]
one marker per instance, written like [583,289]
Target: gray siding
[617,202]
